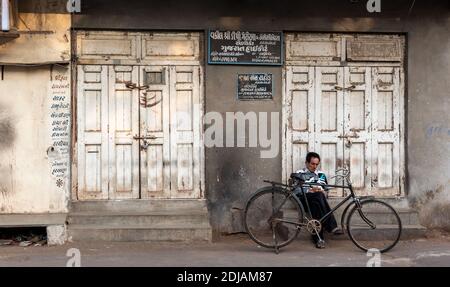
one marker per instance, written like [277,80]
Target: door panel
[357,127]
[386,135]
[185,133]
[92,114]
[154,122]
[299,110]
[329,120]
[351,116]
[139,132]
[170,165]
[123,124]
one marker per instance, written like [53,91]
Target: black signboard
[254,86]
[245,48]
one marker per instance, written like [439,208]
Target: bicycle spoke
[272,218]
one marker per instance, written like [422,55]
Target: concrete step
[140,233]
[137,219]
[407,215]
[141,205]
[408,232]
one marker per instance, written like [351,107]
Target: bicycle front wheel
[375,226]
[273,217]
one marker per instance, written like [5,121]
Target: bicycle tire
[387,221]
[259,210]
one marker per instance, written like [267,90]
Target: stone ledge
[8,36]
[31,220]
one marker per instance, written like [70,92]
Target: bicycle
[274,215]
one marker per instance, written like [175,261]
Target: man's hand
[316,188]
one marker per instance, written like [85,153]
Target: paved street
[230,251]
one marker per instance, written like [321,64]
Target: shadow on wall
[237,174]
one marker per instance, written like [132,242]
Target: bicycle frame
[351,196]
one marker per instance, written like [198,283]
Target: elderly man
[317,197]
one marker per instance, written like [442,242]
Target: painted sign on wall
[58,152]
[245,48]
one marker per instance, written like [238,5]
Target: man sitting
[317,197]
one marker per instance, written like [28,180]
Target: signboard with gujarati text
[245,48]
[255,86]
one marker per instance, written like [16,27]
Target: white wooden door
[299,108]
[123,125]
[387,137]
[351,116]
[108,117]
[185,124]
[92,149]
[170,127]
[329,119]
[155,133]
[136,142]
[357,136]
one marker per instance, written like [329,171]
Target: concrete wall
[232,173]
[34,117]
[428,140]
[26,183]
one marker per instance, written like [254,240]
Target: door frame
[195,60]
[333,62]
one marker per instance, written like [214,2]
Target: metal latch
[150,137]
[344,89]
[131,85]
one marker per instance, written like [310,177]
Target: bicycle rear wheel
[272,216]
[376,226]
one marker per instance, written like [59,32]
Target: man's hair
[310,155]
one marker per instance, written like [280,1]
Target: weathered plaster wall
[44,38]
[31,176]
[428,142]
[26,181]
[233,173]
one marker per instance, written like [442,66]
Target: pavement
[227,251]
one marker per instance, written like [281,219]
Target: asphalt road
[229,251]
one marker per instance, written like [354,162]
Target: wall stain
[7,138]
[419,202]
[7,132]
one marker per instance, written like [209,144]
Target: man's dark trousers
[319,207]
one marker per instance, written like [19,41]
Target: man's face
[313,164]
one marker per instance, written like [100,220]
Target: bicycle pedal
[320,244]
